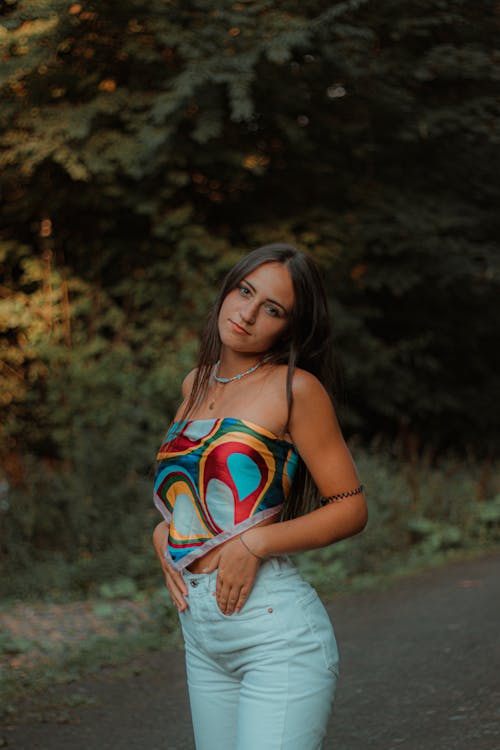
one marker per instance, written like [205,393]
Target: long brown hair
[308,345]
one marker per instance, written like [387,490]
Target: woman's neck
[233,363]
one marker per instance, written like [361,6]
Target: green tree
[144,146]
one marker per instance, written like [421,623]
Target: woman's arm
[174,580]
[316,433]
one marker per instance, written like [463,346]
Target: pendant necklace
[240,375]
[212,402]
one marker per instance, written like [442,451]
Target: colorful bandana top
[215,479]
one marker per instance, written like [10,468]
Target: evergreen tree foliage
[145,146]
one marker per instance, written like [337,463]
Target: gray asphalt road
[420,670]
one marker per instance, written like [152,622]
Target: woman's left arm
[316,434]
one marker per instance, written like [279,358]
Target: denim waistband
[206,581]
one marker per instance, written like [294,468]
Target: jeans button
[194,583]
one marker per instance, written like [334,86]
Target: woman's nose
[248,313]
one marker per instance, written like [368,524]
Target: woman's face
[256,313]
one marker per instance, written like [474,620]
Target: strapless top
[215,479]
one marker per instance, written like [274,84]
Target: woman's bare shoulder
[188,382]
[311,401]
[305,384]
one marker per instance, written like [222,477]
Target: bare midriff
[202,562]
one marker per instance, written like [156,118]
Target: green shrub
[87,529]
[418,512]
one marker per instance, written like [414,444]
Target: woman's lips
[237,328]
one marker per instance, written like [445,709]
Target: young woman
[255,467]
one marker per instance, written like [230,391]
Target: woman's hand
[237,568]
[174,580]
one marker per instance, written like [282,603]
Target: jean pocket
[256,606]
[319,623]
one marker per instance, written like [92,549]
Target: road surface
[420,670]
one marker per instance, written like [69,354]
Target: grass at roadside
[43,643]
[30,665]
[77,617]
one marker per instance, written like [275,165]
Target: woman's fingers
[176,586]
[212,565]
[232,599]
[175,583]
[177,578]
[178,598]
[232,589]
[227,600]
[244,591]
[236,573]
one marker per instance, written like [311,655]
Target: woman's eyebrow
[275,302]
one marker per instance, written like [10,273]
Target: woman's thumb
[212,565]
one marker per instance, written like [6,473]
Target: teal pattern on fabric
[216,478]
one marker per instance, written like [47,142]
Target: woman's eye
[273,311]
[244,290]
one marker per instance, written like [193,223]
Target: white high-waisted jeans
[263,679]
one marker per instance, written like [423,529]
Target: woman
[253,443]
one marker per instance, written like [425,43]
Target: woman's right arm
[174,580]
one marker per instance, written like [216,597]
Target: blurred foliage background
[143,148]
